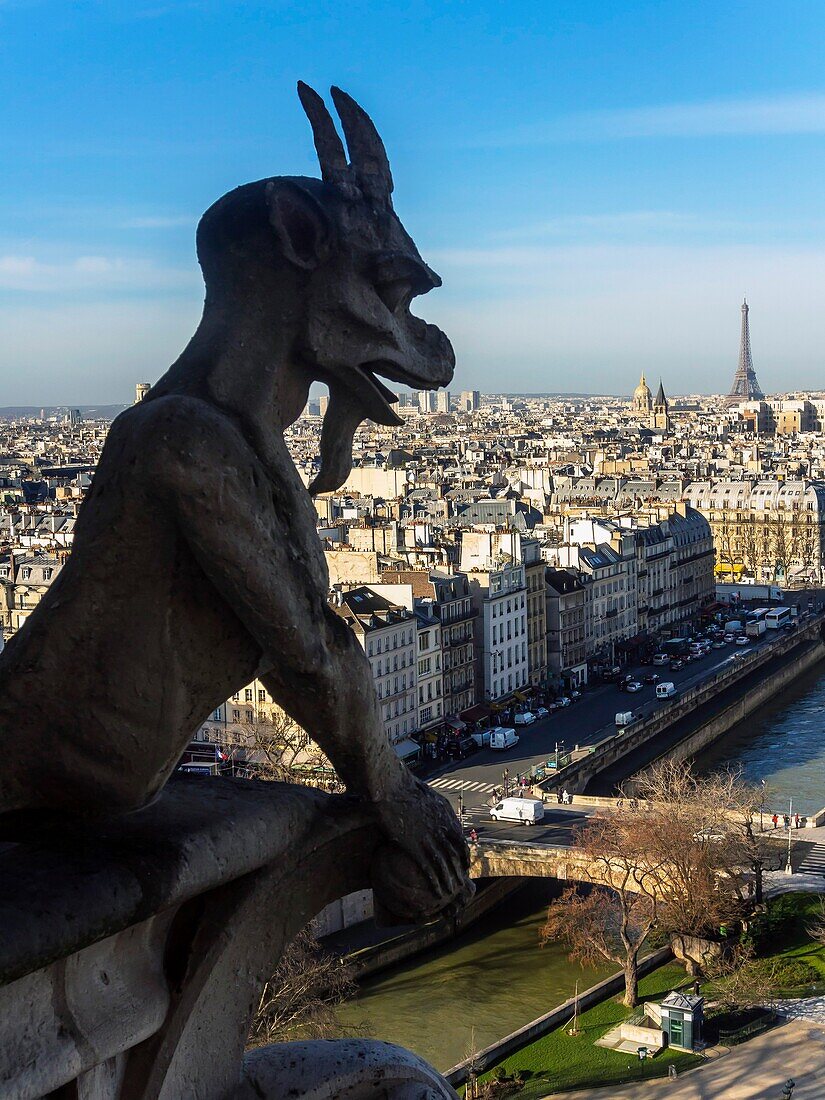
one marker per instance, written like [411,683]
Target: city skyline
[598,191]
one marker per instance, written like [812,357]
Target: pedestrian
[796,821]
[473,835]
[775,820]
[558,797]
[565,797]
[787,821]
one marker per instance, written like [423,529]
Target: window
[247,695]
[261,695]
[236,716]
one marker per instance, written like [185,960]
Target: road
[587,721]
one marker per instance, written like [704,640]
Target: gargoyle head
[330,262]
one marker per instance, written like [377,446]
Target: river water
[495,977]
[784,744]
[491,980]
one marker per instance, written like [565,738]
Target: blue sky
[599,184]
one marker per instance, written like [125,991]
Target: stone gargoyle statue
[196,566]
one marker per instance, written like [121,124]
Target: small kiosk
[682,1015]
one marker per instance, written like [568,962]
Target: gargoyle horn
[368,157]
[328,145]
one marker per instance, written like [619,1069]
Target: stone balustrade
[134,949]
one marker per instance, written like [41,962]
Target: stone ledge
[71,886]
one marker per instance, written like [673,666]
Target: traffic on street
[474,784]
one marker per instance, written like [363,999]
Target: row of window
[376,645]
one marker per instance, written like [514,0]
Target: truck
[733,626]
[725,592]
[756,629]
[624,718]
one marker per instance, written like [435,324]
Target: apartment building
[565,596]
[499,592]
[448,595]
[768,530]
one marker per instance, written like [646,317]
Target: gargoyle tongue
[362,397]
[344,413]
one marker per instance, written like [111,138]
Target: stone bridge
[525,859]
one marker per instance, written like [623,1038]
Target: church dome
[642,397]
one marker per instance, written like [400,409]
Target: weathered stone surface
[350,1069]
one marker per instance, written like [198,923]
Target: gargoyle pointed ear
[328,145]
[299,222]
[367,154]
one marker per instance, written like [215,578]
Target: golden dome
[642,390]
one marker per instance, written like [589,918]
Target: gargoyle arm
[256,542]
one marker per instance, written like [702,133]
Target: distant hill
[88,412]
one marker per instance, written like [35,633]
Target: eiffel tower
[745,386]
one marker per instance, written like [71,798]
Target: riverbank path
[756,1070]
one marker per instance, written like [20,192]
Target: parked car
[660,658]
[574,694]
[525,718]
[541,712]
[563,701]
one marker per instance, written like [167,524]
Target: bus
[758,614]
[777,617]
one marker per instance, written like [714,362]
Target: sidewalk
[756,1070]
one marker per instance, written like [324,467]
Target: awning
[456,724]
[476,713]
[521,698]
[407,749]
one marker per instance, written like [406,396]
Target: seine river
[486,983]
[784,744]
[495,977]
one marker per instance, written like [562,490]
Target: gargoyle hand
[421,872]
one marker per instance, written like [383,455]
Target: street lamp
[559,745]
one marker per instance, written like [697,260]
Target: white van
[502,738]
[660,659]
[529,811]
[666,690]
[624,718]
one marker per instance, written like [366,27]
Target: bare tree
[740,983]
[603,925]
[707,829]
[275,748]
[302,998]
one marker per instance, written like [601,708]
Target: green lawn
[793,941]
[560,1061]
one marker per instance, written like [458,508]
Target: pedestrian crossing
[814,861]
[448,784]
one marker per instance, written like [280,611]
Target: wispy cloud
[89,273]
[802,113]
[159,221]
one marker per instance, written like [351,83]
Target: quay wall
[772,667]
[376,956]
[743,707]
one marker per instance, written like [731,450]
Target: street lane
[586,722]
